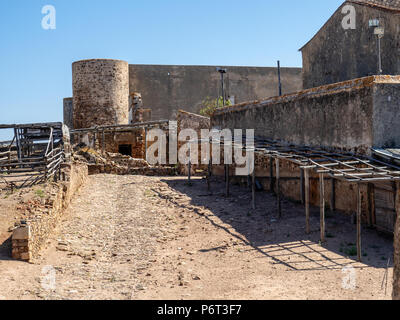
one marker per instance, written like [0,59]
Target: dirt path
[130,237]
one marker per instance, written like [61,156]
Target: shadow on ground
[5,250]
[284,240]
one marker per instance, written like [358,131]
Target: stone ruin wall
[187,120]
[351,116]
[29,238]
[68,112]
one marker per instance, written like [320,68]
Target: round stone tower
[101,93]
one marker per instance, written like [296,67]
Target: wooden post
[18,143]
[278,188]
[209,168]
[333,195]
[396,262]
[307,198]
[322,205]
[190,163]
[371,204]
[253,189]
[371,191]
[358,222]
[94,139]
[103,142]
[302,186]
[145,143]
[271,174]
[227,179]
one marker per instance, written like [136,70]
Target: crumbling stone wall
[30,236]
[101,93]
[136,111]
[134,138]
[348,116]
[68,111]
[187,120]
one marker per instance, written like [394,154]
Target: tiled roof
[385,4]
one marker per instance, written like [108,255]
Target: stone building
[337,54]
[105,85]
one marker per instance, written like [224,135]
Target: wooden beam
[278,188]
[307,198]
[322,205]
[358,222]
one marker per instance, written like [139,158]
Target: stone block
[22,233]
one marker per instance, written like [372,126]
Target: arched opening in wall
[125,149]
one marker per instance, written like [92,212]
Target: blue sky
[35,64]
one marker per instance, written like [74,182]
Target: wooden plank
[322,205]
[358,222]
[307,198]
[278,188]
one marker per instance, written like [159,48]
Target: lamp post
[222,72]
[379,32]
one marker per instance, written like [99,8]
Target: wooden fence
[34,155]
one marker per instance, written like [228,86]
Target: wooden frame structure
[34,155]
[344,166]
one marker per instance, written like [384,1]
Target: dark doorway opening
[125,149]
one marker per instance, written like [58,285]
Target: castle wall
[348,116]
[166,89]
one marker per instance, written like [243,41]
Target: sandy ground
[132,237]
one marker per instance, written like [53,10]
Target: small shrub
[40,193]
[351,251]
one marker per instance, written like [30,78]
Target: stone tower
[101,93]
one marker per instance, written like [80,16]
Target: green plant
[39,193]
[208,106]
[351,251]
